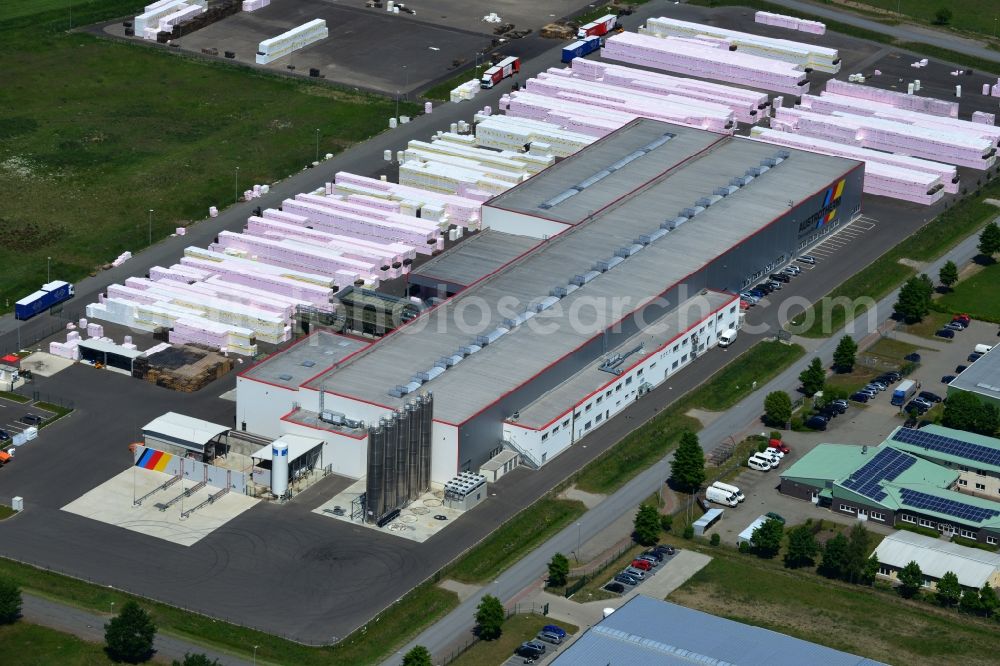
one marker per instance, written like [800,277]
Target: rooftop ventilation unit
[625,160]
[601,266]
[411,387]
[285,378]
[723,191]
[657,235]
[469,350]
[704,202]
[644,239]
[546,303]
[492,336]
[308,364]
[580,280]
[397,391]
[558,292]
[769,162]
[783,154]
[558,199]
[436,371]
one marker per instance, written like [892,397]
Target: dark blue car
[555,629]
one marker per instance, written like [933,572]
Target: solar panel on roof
[950,445]
[885,466]
[969,512]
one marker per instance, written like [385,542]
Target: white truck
[727,337]
[719,496]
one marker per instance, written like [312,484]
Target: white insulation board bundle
[292,40]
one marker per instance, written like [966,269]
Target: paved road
[89,626]
[457,624]
[903,32]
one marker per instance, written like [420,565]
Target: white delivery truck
[733,490]
[904,391]
[719,496]
[727,337]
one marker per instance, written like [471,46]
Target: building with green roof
[893,486]
[975,457]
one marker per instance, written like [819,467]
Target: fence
[518,609]
[595,571]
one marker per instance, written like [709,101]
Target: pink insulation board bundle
[294,254]
[385,253]
[354,220]
[936,107]
[674,55]
[984,118]
[254,5]
[745,104]
[460,210]
[95,330]
[790,22]
[122,258]
[946,173]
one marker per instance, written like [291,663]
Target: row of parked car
[825,414]
[531,650]
[877,385]
[772,283]
[959,322]
[640,567]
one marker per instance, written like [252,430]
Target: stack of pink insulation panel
[951,147]
[935,107]
[745,104]
[698,58]
[895,176]
[790,22]
[295,254]
[983,117]
[69,349]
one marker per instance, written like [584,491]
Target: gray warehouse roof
[475,258]
[307,358]
[648,631]
[982,377]
[709,162]
[972,566]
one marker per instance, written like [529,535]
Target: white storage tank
[279,468]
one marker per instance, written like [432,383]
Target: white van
[759,464]
[982,349]
[770,462]
[734,490]
[720,496]
[727,337]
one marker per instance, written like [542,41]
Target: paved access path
[736,421]
[89,626]
[906,32]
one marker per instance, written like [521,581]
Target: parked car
[959,369]
[955,326]
[910,422]
[881,386]
[758,293]
[946,333]
[617,588]
[816,423]
[775,516]
[4,435]
[749,298]
[649,558]
[913,357]
[549,637]
[890,377]
[626,579]
[764,288]
[531,649]
[779,445]
[780,277]
[555,629]
[638,574]
[642,565]
[929,397]
[918,407]
[920,401]
[776,285]
[665,549]
[807,259]
[974,356]
[829,411]
[860,397]
[840,404]
[31,419]
[655,554]
[791,269]
[947,379]
[963,318]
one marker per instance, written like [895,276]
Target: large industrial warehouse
[627,285]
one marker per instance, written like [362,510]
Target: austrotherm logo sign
[828,213]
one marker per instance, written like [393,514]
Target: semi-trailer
[50,294]
[500,71]
[598,27]
[580,48]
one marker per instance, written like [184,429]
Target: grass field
[6,512]
[24,644]
[442,91]
[95,133]
[978,295]
[514,539]
[516,630]
[652,440]
[14,397]
[928,325]
[979,16]
[866,621]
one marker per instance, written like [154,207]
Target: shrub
[689,532]
[715,539]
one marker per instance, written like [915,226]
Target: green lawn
[968,15]
[866,621]
[58,412]
[95,133]
[979,296]
[24,644]
[6,512]
[515,538]
[655,438]
[14,397]
[516,630]
[442,91]
[928,325]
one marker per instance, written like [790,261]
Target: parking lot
[861,424]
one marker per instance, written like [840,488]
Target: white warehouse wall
[523,225]
[260,406]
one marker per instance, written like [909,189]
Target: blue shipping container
[581,48]
[50,294]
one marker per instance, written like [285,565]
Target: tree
[910,579]
[834,563]
[858,547]
[10,601]
[715,540]
[845,355]
[869,571]
[914,300]
[989,240]
[942,16]
[777,409]
[196,660]
[647,525]
[948,590]
[129,635]
[666,522]
[558,570]
[970,603]
[489,618]
[418,656]
[988,601]
[687,470]
[948,275]
[802,547]
[766,539]
[812,377]
[965,411]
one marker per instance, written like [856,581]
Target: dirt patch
[590,500]
[463,590]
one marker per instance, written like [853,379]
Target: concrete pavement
[89,626]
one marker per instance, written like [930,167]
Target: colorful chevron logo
[154,460]
[833,195]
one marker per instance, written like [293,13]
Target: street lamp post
[112,608]
[317,144]
[578,542]
[149,227]
[236,187]
[255,654]
[48,269]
